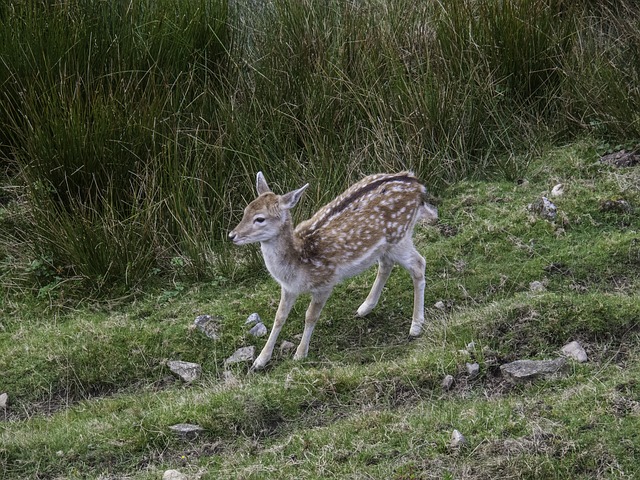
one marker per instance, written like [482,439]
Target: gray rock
[4,398]
[288,381]
[287,347]
[558,190]
[574,350]
[525,370]
[537,286]
[258,330]
[186,371]
[545,208]
[207,325]
[619,206]
[244,354]
[447,382]
[174,475]
[251,319]
[186,430]
[473,369]
[623,158]
[471,346]
[457,439]
[440,305]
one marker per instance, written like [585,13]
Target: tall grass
[137,127]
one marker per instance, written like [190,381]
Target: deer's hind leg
[385,265]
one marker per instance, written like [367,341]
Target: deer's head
[264,218]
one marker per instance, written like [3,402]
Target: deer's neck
[282,255]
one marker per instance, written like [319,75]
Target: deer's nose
[232,235]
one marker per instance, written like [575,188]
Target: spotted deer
[370,222]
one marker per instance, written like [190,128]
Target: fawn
[370,222]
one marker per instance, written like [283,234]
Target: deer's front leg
[318,299]
[287,299]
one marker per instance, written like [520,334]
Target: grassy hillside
[90,395]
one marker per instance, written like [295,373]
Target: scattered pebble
[207,325]
[287,347]
[253,318]
[558,190]
[258,330]
[174,475]
[460,265]
[471,346]
[4,398]
[545,208]
[623,158]
[473,369]
[615,206]
[574,350]
[243,354]
[537,286]
[525,370]
[440,305]
[186,430]
[447,382]
[186,371]
[457,439]
[288,381]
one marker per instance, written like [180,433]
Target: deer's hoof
[257,365]
[416,330]
[364,310]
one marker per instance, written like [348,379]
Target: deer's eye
[258,220]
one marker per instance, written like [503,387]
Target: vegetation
[90,393]
[130,134]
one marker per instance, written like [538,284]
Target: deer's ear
[261,184]
[289,200]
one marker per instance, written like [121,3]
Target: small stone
[457,439]
[244,354]
[4,398]
[186,371]
[186,430]
[440,305]
[537,286]
[174,475]
[616,206]
[287,347]
[258,330]
[471,346]
[623,158]
[558,190]
[288,381]
[447,382]
[545,208]
[574,350]
[473,369]
[207,325]
[251,319]
[525,370]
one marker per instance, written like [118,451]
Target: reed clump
[134,129]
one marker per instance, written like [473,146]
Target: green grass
[90,395]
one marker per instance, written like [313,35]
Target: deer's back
[378,211]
